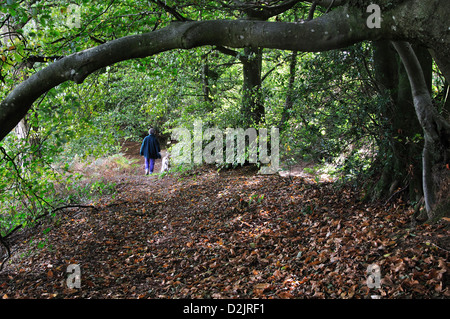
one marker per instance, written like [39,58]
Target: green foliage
[33,184]
[255,198]
[334,116]
[28,186]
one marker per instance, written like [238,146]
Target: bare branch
[260,12]
[171,10]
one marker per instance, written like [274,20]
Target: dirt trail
[131,149]
[228,234]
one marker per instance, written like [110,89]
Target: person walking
[150,149]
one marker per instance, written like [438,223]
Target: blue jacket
[150,147]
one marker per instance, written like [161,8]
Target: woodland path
[228,234]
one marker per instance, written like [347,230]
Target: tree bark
[290,91]
[403,147]
[436,150]
[252,103]
[205,80]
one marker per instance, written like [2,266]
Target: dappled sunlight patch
[104,166]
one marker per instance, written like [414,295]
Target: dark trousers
[149,164]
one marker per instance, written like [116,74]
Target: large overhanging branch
[338,29]
[311,36]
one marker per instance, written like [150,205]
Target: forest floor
[229,234]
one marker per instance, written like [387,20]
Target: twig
[428,242]
[329,7]
[7,250]
[311,11]
[64,207]
[6,245]
[399,191]
[12,231]
[171,10]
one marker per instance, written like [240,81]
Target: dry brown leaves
[231,235]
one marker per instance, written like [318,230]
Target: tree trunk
[252,103]
[290,90]
[402,147]
[446,100]
[205,80]
[436,130]
[23,130]
[386,76]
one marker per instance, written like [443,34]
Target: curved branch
[170,10]
[325,33]
[337,29]
[431,121]
[265,12]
